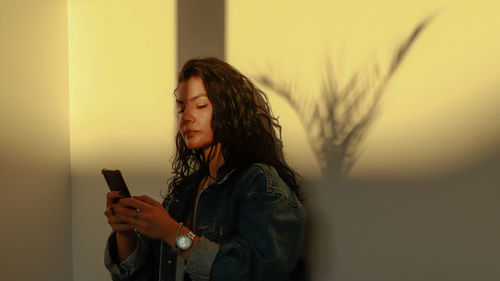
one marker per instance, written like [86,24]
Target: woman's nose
[187,115]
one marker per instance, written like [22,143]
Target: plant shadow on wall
[338,122]
[335,124]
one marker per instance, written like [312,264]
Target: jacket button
[169,261]
[176,200]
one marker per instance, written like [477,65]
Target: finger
[134,203]
[112,197]
[119,220]
[125,211]
[147,199]
[117,225]
[113,194]
[133,222]
[122,227]
[110,211]
[112,220]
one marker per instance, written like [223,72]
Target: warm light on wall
[122,75]
[429,120]
[121,81]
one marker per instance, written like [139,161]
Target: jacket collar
[224,172]
[185,199]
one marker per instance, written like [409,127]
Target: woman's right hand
[116,224]
[125,236]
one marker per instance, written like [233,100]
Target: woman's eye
[202,106]
[181,110]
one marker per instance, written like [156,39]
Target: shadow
[342,214]
[338,122]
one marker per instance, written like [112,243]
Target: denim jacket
[250,225]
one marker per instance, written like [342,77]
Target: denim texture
[250,223]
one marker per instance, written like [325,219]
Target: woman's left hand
[148,217]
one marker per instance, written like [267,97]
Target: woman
[233,210]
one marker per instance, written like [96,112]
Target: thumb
[147,199]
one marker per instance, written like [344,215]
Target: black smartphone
[115,181]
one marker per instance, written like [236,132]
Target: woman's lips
[190,132]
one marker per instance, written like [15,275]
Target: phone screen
[115,181]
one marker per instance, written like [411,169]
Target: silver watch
[184,241]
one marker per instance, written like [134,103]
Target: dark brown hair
[242,122]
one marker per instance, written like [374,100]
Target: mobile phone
[115,181]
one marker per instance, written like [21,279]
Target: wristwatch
[184,241]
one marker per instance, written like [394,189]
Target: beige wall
[421,203]
[432,106]
[444,229]
[122,63]
[121,72]
[35,201]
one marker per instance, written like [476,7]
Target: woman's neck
[217,159]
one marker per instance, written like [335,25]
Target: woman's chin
[194,145]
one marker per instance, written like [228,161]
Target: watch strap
[189,235]
[177,250]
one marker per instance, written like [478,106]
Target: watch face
[184,242]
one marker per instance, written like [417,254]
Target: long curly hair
[242,122]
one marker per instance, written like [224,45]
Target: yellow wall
[35,200]
[440,109]
[122,63]
[439,114]
[414,207]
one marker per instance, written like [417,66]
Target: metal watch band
[184,241]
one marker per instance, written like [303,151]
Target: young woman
[233,210]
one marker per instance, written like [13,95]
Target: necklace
[205,182]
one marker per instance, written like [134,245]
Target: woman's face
[194,113]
